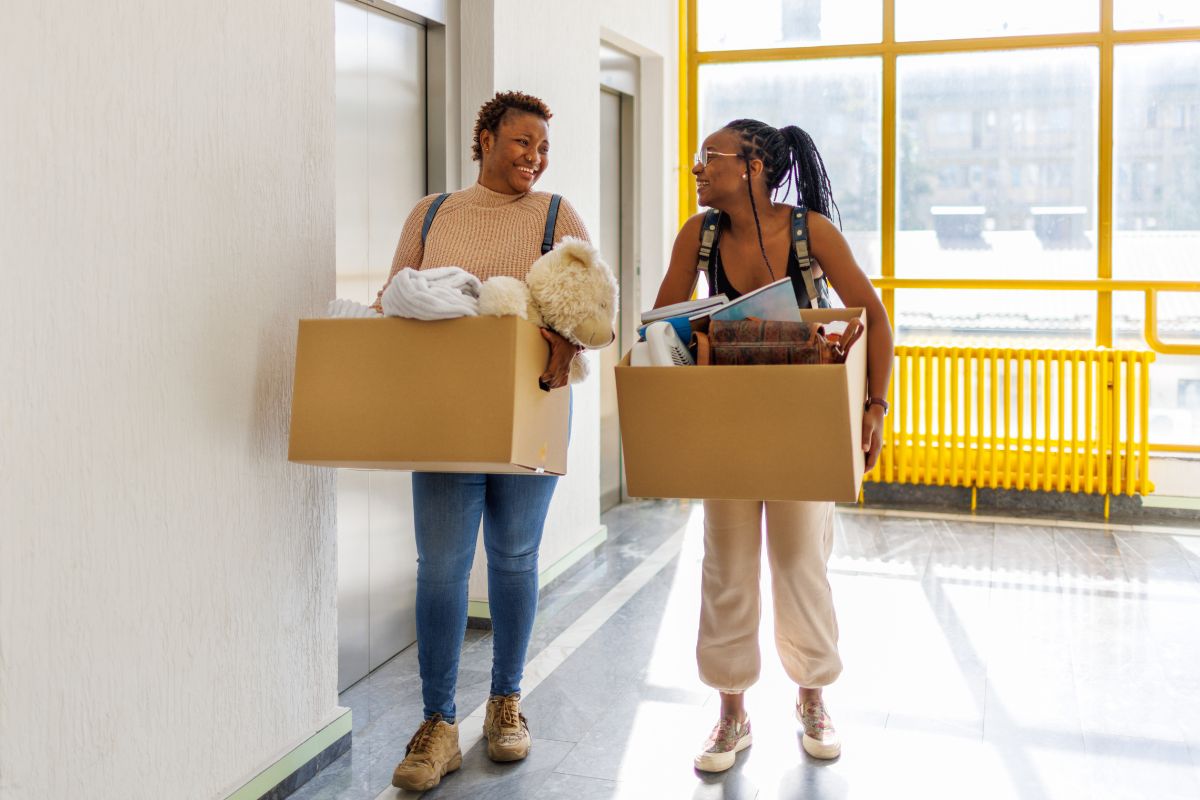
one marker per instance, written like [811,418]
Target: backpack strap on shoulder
[431,213]
[803,257]
[710,231]
[551,221]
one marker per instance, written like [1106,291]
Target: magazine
[775,301]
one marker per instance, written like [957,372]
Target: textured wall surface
[167,579]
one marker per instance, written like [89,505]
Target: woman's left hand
[558,367]
[872,434]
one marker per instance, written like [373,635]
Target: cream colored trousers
[799,542]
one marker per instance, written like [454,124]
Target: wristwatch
[876,401]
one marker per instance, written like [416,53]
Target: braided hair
[790,160]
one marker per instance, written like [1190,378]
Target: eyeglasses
[702,156]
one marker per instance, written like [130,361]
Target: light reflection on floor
[982,660]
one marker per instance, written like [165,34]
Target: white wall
[551,49]
[1176,477]
[650,31]
[167,579]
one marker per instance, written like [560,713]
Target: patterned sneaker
[431,753]
[506,729]
[821,739]
[727,739]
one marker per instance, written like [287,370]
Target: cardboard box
[456,395]
[746,432]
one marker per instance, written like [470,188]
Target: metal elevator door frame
[619,75]
[381,166]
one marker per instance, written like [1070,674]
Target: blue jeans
[447,509]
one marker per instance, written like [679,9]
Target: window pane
[1174,380]
[1155,13]
[1156,160]
[838,102]
[1156,205]
[972,317]
[997,169]
[949,19]
[744,24]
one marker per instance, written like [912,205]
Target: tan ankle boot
[506,729]
[431,753]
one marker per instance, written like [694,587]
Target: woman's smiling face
[517,154]
[722,177]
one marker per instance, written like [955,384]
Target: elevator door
[617,247]
[380,164]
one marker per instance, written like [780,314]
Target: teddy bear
[569,290]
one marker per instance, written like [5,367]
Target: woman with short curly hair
[497,226]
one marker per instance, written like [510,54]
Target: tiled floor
[983,660]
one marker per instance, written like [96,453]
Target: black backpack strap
[710,231]
[551,221]
[816,297]
[429,215]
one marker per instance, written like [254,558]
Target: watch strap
[876,401]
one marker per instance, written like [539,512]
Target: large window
[1156,215]
[954,19]
[837,102]
[725,25]
[1025,141]
[1133,14]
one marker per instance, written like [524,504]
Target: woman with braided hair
[740,170]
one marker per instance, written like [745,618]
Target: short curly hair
[491,112]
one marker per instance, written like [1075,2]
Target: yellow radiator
[1049,420]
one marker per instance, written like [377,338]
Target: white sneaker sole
[719,762]
[818,750]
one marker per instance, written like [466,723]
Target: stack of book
[775,301]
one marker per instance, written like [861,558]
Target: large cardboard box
[456,395]
[746,432]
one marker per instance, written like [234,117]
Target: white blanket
[348,309]
[437,293]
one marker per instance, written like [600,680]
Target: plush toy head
[575,293]
[569,290]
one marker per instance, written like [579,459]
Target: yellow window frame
[1106,39]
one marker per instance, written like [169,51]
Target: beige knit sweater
[484,232]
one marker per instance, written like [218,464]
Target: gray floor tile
[482,779]
[574,787]
[1138,767]
[982,660]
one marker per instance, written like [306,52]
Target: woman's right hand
[872,435]
[558,366]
